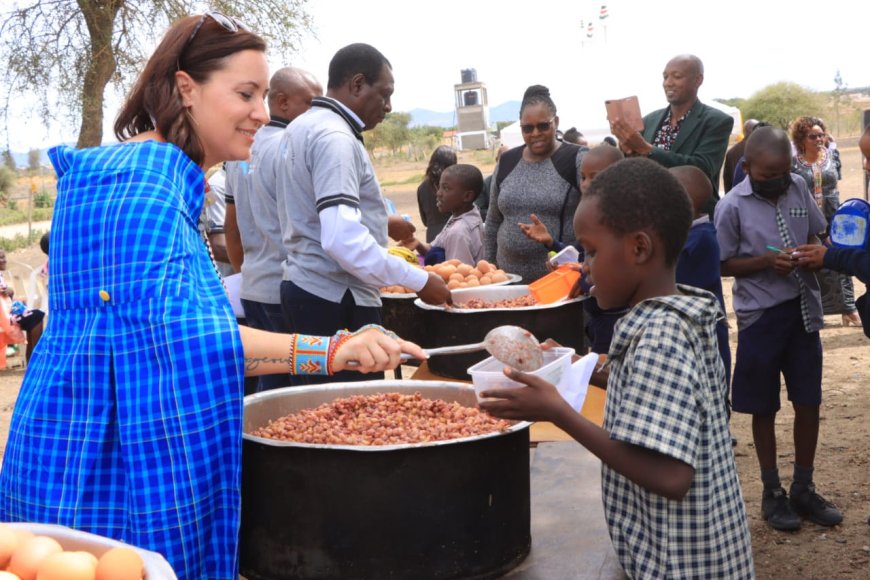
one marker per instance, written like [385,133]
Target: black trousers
[306,313]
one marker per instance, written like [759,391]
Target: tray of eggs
[52,552]
[459,275]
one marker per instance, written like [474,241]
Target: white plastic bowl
[488,373]
[156,566]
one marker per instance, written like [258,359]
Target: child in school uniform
[671,495]
[462,235]
[698,264]
[759,223]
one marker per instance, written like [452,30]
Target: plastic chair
[37,290]
[16,276]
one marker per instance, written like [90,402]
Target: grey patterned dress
[531,188]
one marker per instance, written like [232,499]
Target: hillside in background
[509,111]
[21,158]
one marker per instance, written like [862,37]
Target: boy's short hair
[469,176]
[767,140]
[606,152]
[637,194]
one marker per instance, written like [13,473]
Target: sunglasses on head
[228,23]
[541,127]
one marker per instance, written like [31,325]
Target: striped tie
[788,243]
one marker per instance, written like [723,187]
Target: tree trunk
[100,18]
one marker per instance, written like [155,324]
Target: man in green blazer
[686,132]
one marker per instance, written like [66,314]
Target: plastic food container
[156,566]
[554,286]
[567,255]
[488,373]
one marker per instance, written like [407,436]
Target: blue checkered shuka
[128,423]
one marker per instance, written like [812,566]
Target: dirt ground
[842,461]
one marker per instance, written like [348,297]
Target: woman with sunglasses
[129,419]
[538,178]
[816,164]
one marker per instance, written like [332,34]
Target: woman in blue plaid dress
[129,419]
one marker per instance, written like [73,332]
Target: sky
[745,45]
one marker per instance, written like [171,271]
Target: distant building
[472,113]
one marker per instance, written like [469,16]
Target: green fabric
[702,140]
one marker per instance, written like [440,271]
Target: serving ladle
[514,346]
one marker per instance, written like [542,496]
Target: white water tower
[472,112]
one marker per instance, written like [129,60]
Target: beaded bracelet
[336,342]
[308,355]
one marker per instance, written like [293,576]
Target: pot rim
[388,386]
[512,279]
[454,310]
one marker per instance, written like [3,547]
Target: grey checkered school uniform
[667,393]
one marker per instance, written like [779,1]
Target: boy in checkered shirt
[669,482]
[759,223]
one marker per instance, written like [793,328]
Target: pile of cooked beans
[477,303]
[382,419]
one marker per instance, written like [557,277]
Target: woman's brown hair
[801,127]
[155,102]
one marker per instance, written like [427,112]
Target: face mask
[771,188]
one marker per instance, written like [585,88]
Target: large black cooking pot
[562,321]
[406,320]
[450,509]
[402,317]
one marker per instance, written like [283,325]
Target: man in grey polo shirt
[253,231]
[332,211]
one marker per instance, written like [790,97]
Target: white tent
[511,135]
[734,112]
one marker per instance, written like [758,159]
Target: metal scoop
[512,345]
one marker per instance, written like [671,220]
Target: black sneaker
[776,509]
[814,507]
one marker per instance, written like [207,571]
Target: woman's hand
[537,232]
[538,401]
[374,351]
